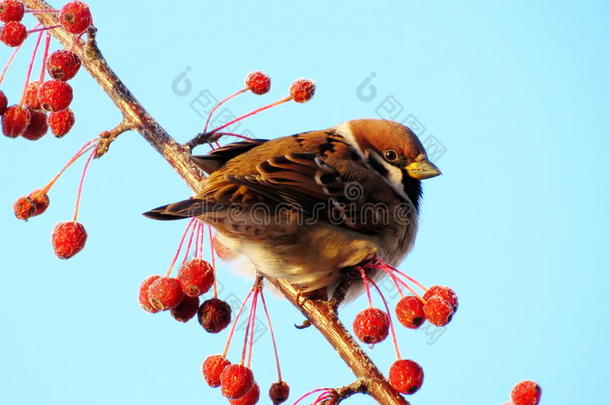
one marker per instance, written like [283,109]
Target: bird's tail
[182,209]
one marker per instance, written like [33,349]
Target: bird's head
[392,150]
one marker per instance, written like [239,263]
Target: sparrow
[305,206]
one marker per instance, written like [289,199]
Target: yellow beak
[424,169]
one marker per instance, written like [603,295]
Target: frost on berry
[143,294]
[212,367]
[406,376]
[371,325]
[55,95]
[3,102]
[31,205]
[165,293]
[445,293]
[279,392]
[37,127]
[31,95]
[438,311]
[214,315]
[526,393]
[15,121]
[258,82]
[63,65]
[186,310]
[11,10]
[196,277]
[75,17]
[410,312]
[13,33]
[68,239]
[249,398]
[235,381]
[61,122]
[302,90]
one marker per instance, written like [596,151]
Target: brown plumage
[302,207]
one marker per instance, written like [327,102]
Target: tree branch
[135,117]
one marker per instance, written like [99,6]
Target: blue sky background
[515,95]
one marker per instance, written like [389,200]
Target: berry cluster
[373,325]
[236,381]
[44,103]
[180,294]
[68,238]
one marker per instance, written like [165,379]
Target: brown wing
[218,157]
[317,172]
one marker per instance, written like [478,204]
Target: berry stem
[411,279]
[171,266]
[367,287]
[188,247]
[387,309]
[9,63]
[215,108]
[246,351]
[273,341]
[80,185]
[233,134]
[84,149]
[232,332]
[407,286]
[30,67]
[213,255]
[44,29]
[251,113]
[200,236]
[302,397]
[44,57]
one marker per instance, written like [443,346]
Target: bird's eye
[390,155]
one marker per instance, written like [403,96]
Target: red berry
[68,239]
[438,311]
[63,65]
[371,325]
[302,90]
[75,17]
[196,277]
[186,310]
[214,315]
[31,205]
[279,392]
[61,122]
[165,293]
[212,367]
[143,295]
[410,312]
[11,10]
[236,381]
[526,393]
[445,293]
[250,398]
[38,125]
[55,95]
[13,33]
[31,95]
[258,82]
[3,102]
[406,376]
[15,121]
